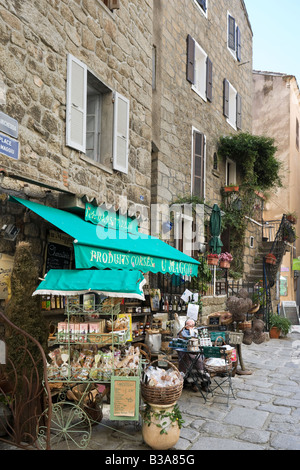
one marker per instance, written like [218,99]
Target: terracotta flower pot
[224,264]
[230,189]
[212,261]
[274,332]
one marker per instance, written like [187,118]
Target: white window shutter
[121,133]
[76,104]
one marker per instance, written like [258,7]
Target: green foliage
[202,281]
[282,323]
[259,170]
[24,310]
[255,159]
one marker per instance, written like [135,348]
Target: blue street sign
[9,125]
[9,147]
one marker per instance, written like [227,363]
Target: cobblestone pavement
[265,415]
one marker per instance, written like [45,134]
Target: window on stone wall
[198,164]
[199,69]
[202,4]
[111,4]
[97,119]
[232,105]
[234,38]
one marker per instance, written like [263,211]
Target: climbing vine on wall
[260,171]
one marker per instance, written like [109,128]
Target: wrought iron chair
[220,375]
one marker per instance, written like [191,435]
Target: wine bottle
[171,304]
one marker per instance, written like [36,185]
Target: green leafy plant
[260,171]
[173,417]
[282,323]
[254,157]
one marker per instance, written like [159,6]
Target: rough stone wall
[176,108]
[35,38]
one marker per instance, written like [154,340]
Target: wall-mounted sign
[110,219]
[2,352]
[6,266]
[9,147]
[8,125]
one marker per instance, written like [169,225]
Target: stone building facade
[57,55]
[198,45]
[278,95]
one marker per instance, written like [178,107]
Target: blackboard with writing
[57,256]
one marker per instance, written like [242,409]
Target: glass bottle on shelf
[179,307]
[171,304]
[167,304]
[162,304]
[175,304]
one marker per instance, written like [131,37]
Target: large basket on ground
[162,395]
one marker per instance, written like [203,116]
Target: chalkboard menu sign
[214,320]
[57,256]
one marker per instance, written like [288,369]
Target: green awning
[115,283]
[100,247]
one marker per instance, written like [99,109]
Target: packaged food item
[61,332]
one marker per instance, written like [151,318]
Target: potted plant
[225,260]
[230,188]
[212,259]
[279,326]
[161,425]
[288,233]
[292,217]
[270,258]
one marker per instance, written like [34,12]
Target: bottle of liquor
[171,304]
[175,304]
[179,308]
[162,304]
[167,304]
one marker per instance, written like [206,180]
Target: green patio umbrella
[215,230]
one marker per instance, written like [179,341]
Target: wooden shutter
[121,133]
[226,98]
[190,66]
[208,79]
[238,111]
[238,44]
[76,103]
[198,165]
[231,32]
[114,4]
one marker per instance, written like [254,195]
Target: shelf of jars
[92,345]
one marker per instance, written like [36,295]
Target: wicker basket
[217,369]
[245,325]
[162,395]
